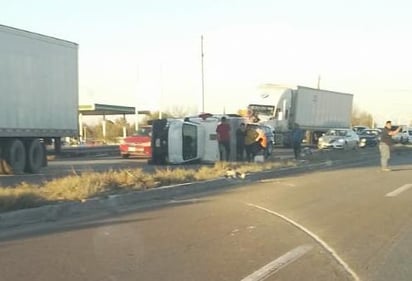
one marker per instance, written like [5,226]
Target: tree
[173,112]
[361,117]
[180,111]
[153,116]
[114,130]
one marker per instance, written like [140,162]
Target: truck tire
[15,159]
[35,156]
[45,160]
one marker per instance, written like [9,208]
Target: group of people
[252,140]
[248,139]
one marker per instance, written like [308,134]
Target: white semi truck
[39,97]
[315,111]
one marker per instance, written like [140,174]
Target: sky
[147,54]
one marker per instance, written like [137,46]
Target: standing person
[297,137]
[262,141]
[385,145]
[250,142]
[223,138]
[240,141]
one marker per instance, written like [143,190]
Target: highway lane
[351,223]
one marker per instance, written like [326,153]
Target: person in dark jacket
[386,144]
[240,142]
[297,137]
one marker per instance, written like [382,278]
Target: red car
[138,145]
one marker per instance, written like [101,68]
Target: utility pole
[318,81]
[203,75]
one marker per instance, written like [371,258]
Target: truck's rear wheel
[35,156]
[15,159]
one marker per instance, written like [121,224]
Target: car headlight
[341,140]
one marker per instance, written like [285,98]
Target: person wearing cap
[386,144]
[223,138]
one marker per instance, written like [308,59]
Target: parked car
[339,138]
[138,144]
[359,128]
[408,134]
[270,135]
[402,136]
[369,137]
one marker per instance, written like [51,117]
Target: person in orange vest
[255,142]
[262,139]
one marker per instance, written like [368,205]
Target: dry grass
[20,197]
[78,187]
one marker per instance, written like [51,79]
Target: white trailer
[315,111]
[39,97]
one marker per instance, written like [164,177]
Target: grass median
[91,184]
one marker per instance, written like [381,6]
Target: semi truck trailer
[39,97]
[314,110]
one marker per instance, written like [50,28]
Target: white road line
[399,190]
[314,237]
[274,266]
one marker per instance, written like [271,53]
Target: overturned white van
[190,140]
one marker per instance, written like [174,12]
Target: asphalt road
[351,223]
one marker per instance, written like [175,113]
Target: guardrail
[113,150]
[81,151]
